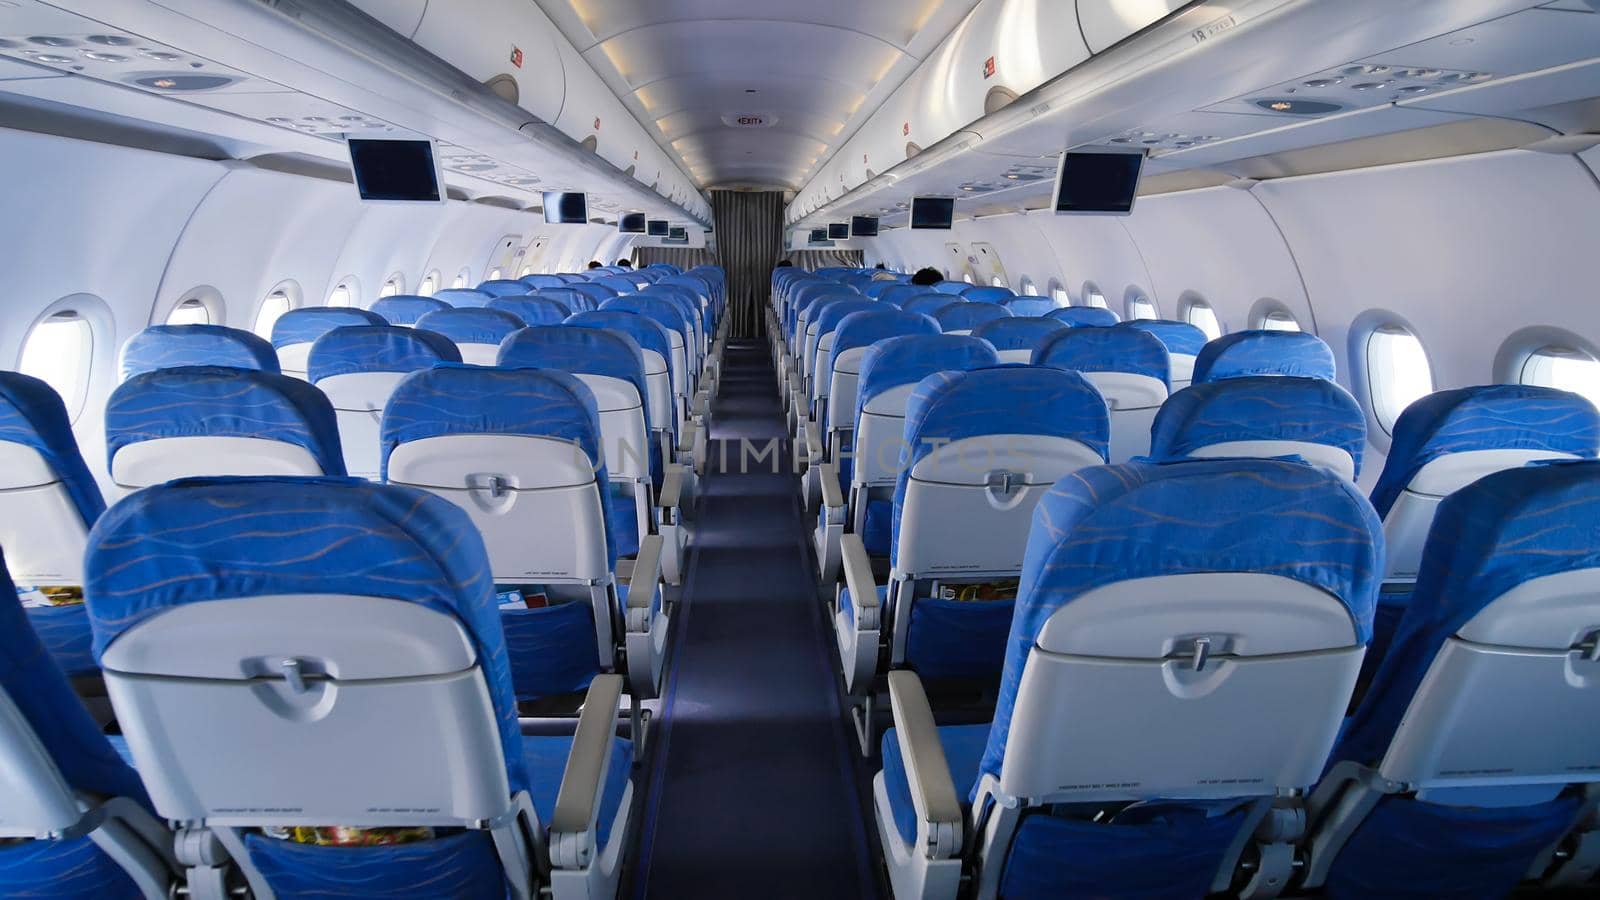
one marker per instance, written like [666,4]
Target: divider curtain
[750,242]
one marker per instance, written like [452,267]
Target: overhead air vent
[912,149]
[629,170]
[590,143]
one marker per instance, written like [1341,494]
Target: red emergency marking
[516,57]
[988,67]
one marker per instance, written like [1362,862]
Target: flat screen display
[863,226]
[657,228]
[395,171]
[1098,183]
[565,209]
[631,223]
[839,231]
[933,212]
[819,235]
[678,235]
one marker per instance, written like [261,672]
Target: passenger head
[596,264]
[927,275]
[624,263]
[880,266]
[785,264]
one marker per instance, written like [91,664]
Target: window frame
[1191,302]
[1380,433]
[1133,296]
[1089,293]
[429,285]
[393,286]
[95,317]
[352,291]
[290,290]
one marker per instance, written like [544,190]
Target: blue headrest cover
[566,295]
[216,401]
[1179,337]
[898,293]
[580,351]
[406,309]
[1107,350]
[1485,417]
[535,282]
[645,331]
[1030,306]
[533,310]
[596,292]
[1106,524]
[377,348]
[951,287]
[908,359]
[1085,316]
[166,346]
[989,294]
[447,400]
[471,325]
[32,414]
[964,315]
[463,297]
[304,325]
[829,317]
[1264,353]
[662,310]
[925,301]
[198,540]
[1019,332]
[1259,408]
[622,284]
[34,682]
[503,287]
[1487,538]
[998,400]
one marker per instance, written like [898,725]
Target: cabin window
[1563,368]
[1029,289]
[276,304]
[998,281]
[58,351]
[343,295]
[1398,373]
[1058,293]
[1140,307]
[1199,313]
[395,285]
[526,271]
[461,280]
[494,274]
[430,283]
[1093,297]
[190,311]
[967,277]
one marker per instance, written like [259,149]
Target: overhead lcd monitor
[396,171]
[565,208]
[819,236]
[656,228]
[1098,183]
[863,226]
[677,235]
[631,223]
[838,231]
[933,212]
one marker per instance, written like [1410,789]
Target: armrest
[686,440]
[645,581]
[572,824]
[832,497]
[933,792]
[813,438]
[671,493]
[858,578]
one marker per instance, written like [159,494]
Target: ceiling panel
[744,91]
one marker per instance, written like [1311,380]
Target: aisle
[754,791]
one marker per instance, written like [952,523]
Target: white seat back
[145,463]
[535,500]
[880,436]
[367,683]
[358,400]
[293,359]
[1527,653]
[41,529]
[1405,528]
[1133,401]
[1335,459]
[1256,711]
[969,504]
[478,354]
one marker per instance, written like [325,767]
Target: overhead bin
[508,38]
[1105,22]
